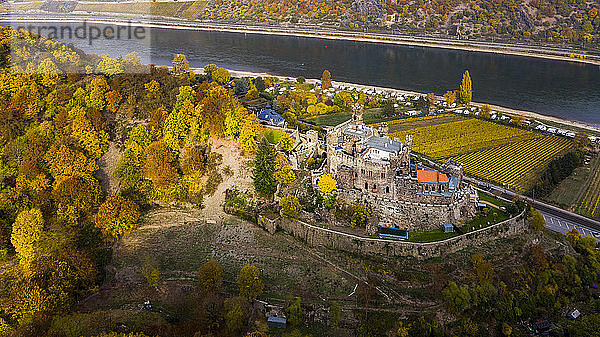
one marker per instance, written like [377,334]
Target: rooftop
[430,176]
[384,144]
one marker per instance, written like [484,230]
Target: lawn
[484,219]
[273,135]
[370,116]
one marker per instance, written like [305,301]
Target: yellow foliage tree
[286,142]
[27,231]
[117,216]
[327,184]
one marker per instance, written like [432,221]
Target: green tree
[152,274]
[536,219]
[294,313]
[235,315]
[335,313]
[210,277]
[506,329]
[466,90]
[458,299]
[249,282]
[264,168]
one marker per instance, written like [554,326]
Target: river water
[567,90]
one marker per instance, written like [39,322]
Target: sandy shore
[474,46]
[528,114]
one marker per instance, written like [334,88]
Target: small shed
[276,322]
[393,233]
[448,228]
[573,314]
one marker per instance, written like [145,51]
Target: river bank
[572,125]
[420,41]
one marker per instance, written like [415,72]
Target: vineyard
[591,200]
[512,163]
[455,138]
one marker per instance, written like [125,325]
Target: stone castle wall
[415,215]
[323,237]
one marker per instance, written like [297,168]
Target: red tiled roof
[427,176]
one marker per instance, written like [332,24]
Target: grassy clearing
[178,242]
[370,116]
[273,135]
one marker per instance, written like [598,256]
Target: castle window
[366,186]
[387,189]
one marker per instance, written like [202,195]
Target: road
[557,219]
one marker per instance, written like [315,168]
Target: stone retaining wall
[318,236]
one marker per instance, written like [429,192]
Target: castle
[370,166]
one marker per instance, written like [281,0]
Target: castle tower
[357,114]
[408,143]
[384,130]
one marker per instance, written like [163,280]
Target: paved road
[561,225]
[557,219]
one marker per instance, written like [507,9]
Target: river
[567,90]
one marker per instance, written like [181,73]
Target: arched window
[387,189]
[374,187]
[366,185]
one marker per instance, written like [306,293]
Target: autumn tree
[450,97]
[286,142]
[117,216]
[486,111]
[264,168]
[483,269]
[326,80]
[27,231]
[221,75]
[249,282]
[210,277]
[327,184]
[76,196]
[290,206]
[283,170]
[466,91]
[113,98]
[180,64]
[158,165]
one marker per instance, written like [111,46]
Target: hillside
[548,22]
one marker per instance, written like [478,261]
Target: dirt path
[108,164]
[241,178]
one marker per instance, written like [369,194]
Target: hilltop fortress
[370,166]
